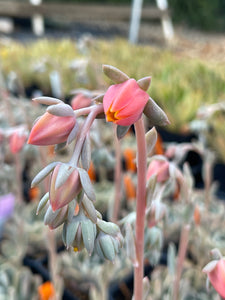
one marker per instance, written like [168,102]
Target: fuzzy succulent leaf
[90,209]
[121,131]
[86,184]
[108,227]
[114,74]
[73,134]
[151,138]
[86,153]
[61,110]
[47,100]
[155,114]
[88,234]
[144,83]
[71,230]
[64,172]
[42,203]
[43,173]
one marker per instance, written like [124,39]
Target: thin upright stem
[141,206]
[117,178]
[184,236]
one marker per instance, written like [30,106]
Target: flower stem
[184,237]
[83,132]
[141,205]
[117,178]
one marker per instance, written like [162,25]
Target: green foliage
[180,85]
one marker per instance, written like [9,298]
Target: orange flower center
[111,116]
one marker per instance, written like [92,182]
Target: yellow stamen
[75,249]
[111,116]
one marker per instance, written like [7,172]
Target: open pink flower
[160,168]
[216,274]
[124,102]
[80,101]
[17,141]
[66,192]
[51,130]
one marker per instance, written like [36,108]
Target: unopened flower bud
[55,218]
[80,233]
[107,246]
[81,100]
[51,129]
[63,191]
[160,168]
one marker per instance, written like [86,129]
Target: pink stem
[118,178]
[184,236]
[141,206]
[84,130]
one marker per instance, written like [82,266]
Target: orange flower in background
[34,193]
[80,101]
[46,291]
[159,145]
[124,102]
[91,172]
[130,189]
[197,215]
[51,130]
[129,156]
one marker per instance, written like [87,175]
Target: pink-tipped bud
[124,103]
[51,130]
[17,141]
[80,101]
[66,192]
[216,274]
[160,168]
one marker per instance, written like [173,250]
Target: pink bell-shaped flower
[51,129]
[160,168]
[63,191]
[216,274]
[124,102]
